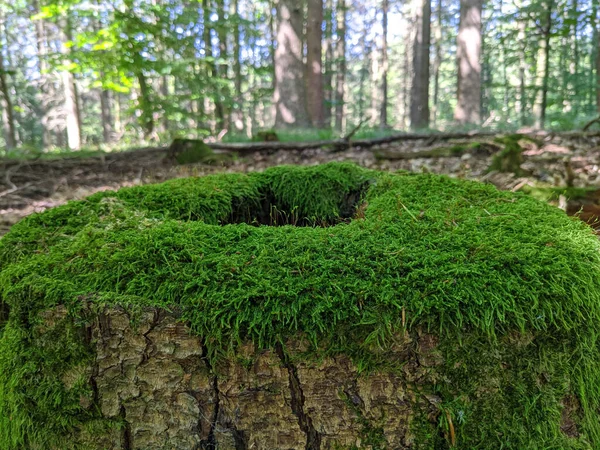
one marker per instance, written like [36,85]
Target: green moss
[509,284]
[510,158]
[552,193]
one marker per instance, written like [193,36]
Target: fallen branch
[590,123]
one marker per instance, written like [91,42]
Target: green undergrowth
[339,255]
[553,193]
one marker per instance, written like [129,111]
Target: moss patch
[509,284]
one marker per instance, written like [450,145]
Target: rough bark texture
[290,92]
[152,374]
[314,66]
[419,98]
[468,53]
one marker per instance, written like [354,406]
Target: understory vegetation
[345,258]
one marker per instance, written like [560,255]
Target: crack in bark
[126,436]
[210,443]
[313,438]
[155,321]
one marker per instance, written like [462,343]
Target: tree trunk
[468,108]
[71,103]
[290,92]
[543,68]
[327,76]
[45,87]
[595,69]
[145,104]
[8,121]
[383,116]
[106,116]
[522,26]
[340,58]
[237,114]
[314,82]
[222,67]
[419,97]
[208,52]
[437,61]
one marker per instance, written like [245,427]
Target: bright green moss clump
[509,284]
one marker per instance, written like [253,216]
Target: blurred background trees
[93,72]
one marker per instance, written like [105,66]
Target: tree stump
[300,308]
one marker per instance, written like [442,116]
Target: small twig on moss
[451,429]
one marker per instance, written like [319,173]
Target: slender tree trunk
[106,115]
[437,61]
[468,108]
[45,86]
[327,76]
[596,54]
[237,71]
[73,123]
[145,103]
[208,52]
[383,117]
[419,98]
[521,36]
[314,38]
[8,121]
[290,91]
[222,67]
[70,105]
[340,58]
[543,68]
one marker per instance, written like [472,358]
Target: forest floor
[29,186]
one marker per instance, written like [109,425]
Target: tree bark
[383,116]
[419,97]
[290,92]
[340,58]
[314,82]
[468,108]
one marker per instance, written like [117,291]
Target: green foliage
[510,285]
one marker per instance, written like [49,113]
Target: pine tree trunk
[468,108]
[290,91]
[314,82]
[419,97]
[383,116]
[340,58]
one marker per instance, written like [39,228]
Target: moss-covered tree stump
[301,308]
